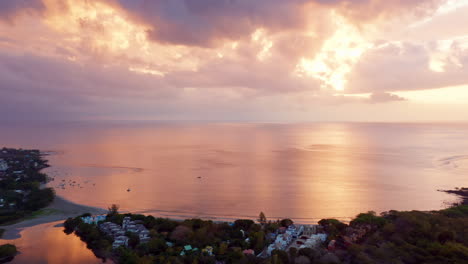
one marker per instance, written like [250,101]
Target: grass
[42,212]
[36,214]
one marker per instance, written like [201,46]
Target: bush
[244,224]
[39,198]
[369,218]
[7,251]
[71,224]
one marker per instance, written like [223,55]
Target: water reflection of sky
[47,243]
[302,171]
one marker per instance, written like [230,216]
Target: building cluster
[93,220]
[118,233]
[285,238]
[14,162]
[312,241]
[17,165]
[304,236]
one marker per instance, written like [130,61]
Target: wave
[452,161]
[134,169]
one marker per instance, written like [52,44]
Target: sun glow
[261,38]
[337,57]
[99,31]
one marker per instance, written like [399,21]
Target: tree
[292,254]
[262,218]
[286,222]
[302,260]
[181,234]
[7,251]
[113,210]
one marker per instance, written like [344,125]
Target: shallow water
[47,243]
[232,170]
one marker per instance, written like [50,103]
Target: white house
[93,219]
[3,165]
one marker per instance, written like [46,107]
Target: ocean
[225,171]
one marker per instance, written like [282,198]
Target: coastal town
[20,183]
[368,238]
[21,191]
[123,237]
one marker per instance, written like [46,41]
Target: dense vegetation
[168,238]
[7,252]
[392,237]
[412,237]
[20,185]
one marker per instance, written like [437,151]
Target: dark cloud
[35,87]
[208,22]
[9,8]
[205,22]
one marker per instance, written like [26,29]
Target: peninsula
[392,237]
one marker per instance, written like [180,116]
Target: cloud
[406,66]
[10,8]
[207,23]
[34,87]
[365,11]
[207,59]
[381,97]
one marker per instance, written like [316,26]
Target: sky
[234,60]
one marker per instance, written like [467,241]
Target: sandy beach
[60,209]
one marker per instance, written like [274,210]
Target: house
[310,230]
[3,165]
[93,219]
[120,241]
[118,232]
[315,241]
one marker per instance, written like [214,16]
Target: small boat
[128,190]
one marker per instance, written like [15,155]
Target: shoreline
[59,210]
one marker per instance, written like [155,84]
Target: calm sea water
[235,170]
[48,244]
[226,171]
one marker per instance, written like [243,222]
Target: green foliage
[286,222]
[456,211]
[71,224]
[7,252]
[369,218]
[333,227]
[244,224]
[281,256]
[133,239]
[30,197]
[414,237]
[262,218]
[113,210]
